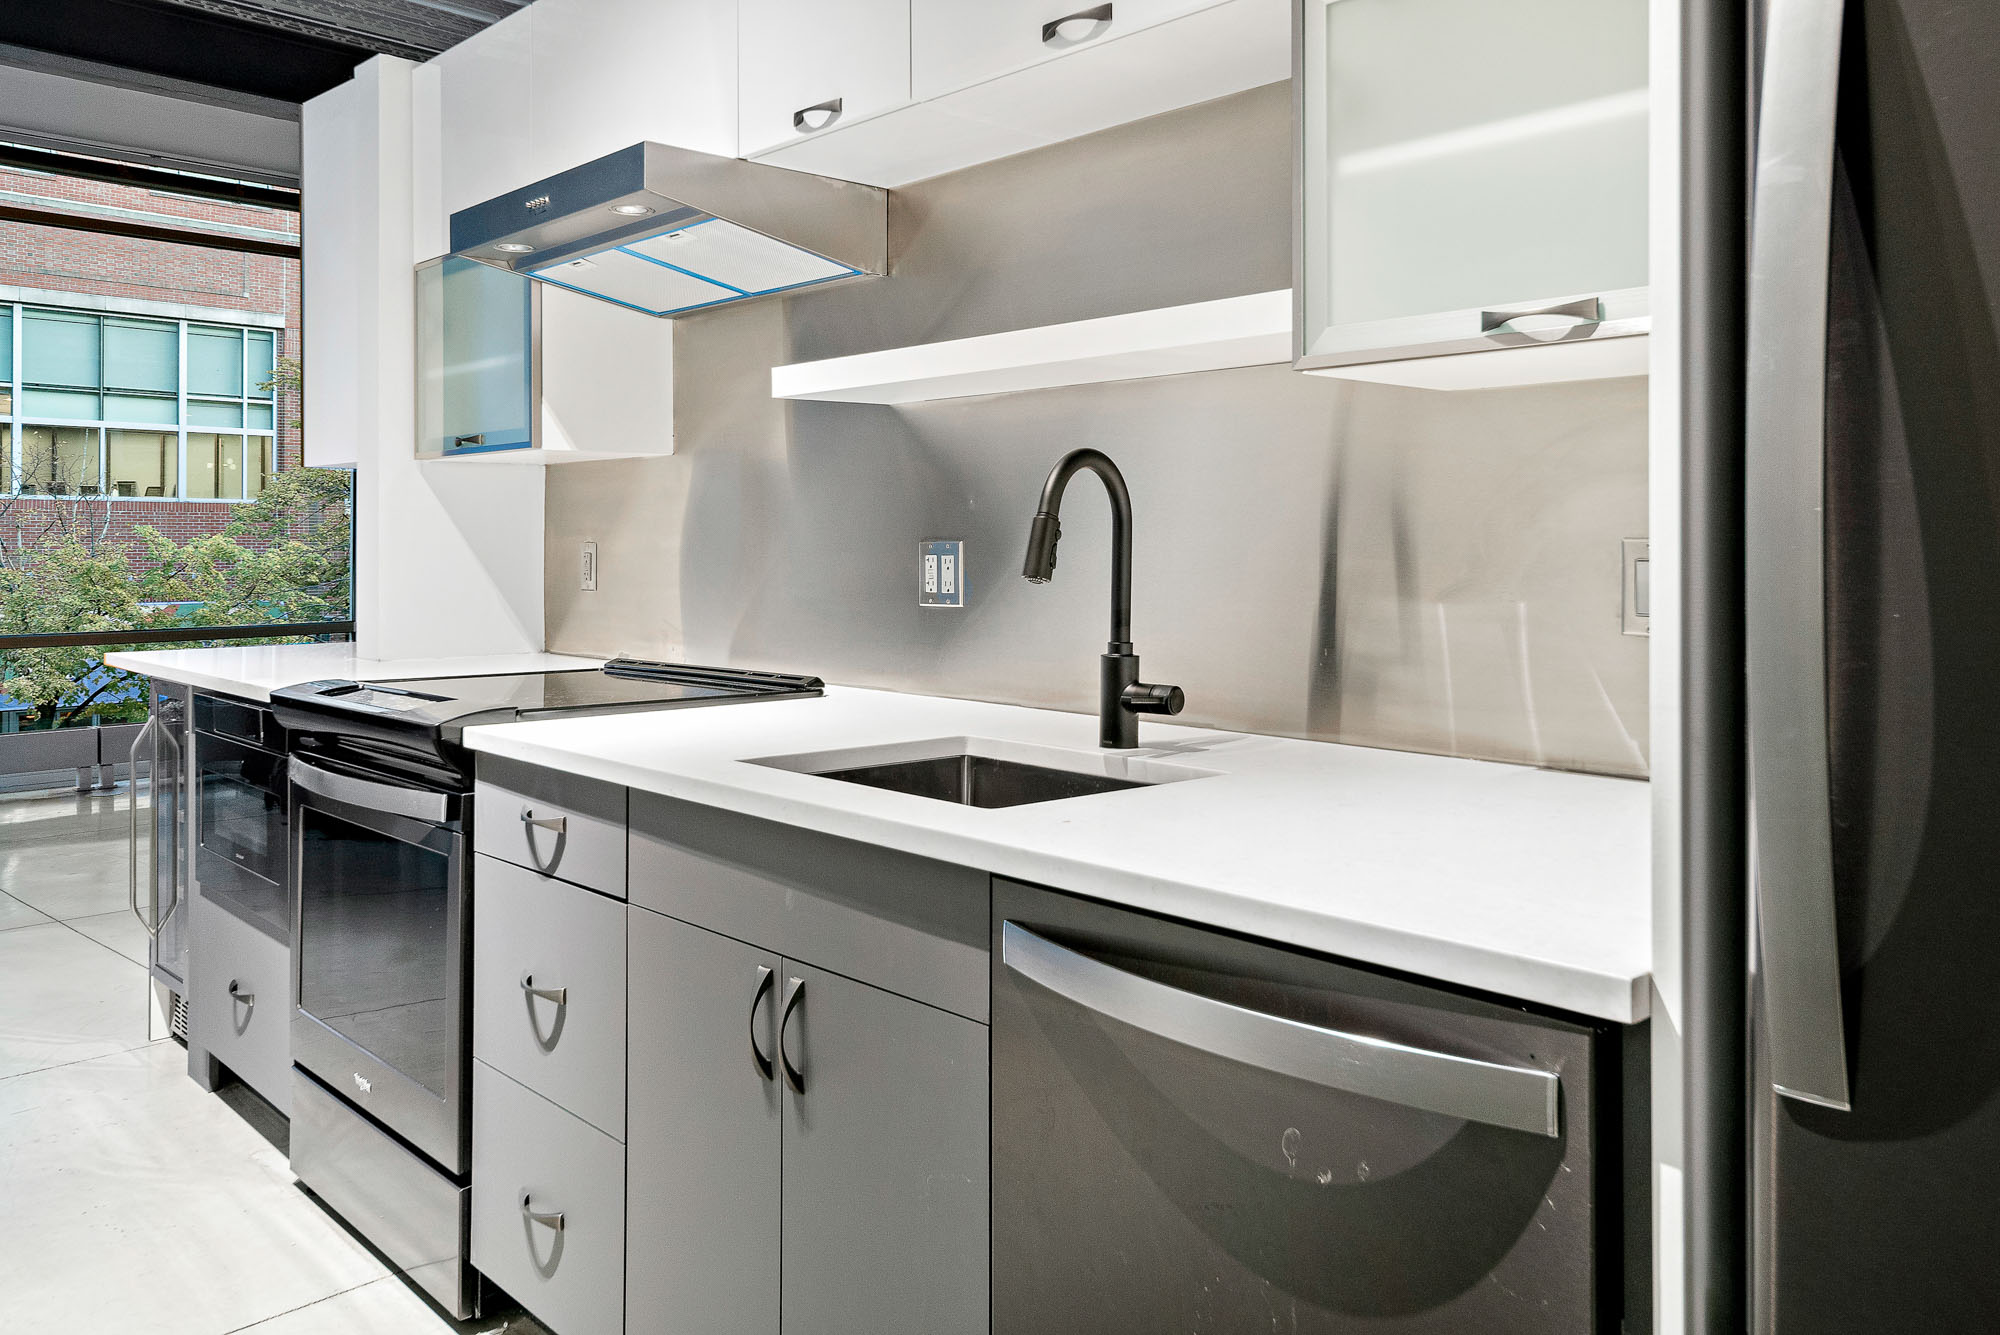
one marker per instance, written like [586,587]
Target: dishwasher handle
[1519,1098]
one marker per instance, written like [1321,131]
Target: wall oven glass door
[240,858]
[380,952]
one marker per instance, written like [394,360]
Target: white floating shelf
[1206,336]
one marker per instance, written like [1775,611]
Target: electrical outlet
[1638,586]
[589,567]
[941,572]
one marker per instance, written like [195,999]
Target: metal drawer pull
[547,1220]
[765,981]
[1586,312]
[1098,16]
[556,825]
[817,116]
[795,992]
[559,995]
[237,994]
[1517,1097]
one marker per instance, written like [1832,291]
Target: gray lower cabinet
[885,1213]
[839,1190]
[240,1001]
[548,1207]
[704,1177]
[548,989]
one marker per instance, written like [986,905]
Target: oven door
[240,817]
[381,915]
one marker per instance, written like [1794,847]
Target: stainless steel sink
[974,772]
[980,781]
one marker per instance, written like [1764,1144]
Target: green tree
[284,557]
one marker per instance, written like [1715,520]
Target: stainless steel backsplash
[1319,558]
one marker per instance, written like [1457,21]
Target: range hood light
[513,247]
[631,210]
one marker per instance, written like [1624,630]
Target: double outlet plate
[941,572]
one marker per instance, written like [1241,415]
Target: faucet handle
[1143,698]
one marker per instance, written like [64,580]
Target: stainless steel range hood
[670,231]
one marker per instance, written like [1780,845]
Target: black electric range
[415,728]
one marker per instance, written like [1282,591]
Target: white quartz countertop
[1528,883]
[252,672]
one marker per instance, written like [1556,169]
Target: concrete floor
[130,1200]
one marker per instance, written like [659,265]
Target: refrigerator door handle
[1785,551]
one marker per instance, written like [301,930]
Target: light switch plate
[1638,586]
[589,567]
[941,572]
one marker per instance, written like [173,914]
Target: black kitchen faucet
[1122,697]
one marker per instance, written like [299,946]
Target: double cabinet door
[806,1152]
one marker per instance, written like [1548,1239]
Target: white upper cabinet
[807,66]
[985,84]
[608,74]
[1475,181]
[561,82]
[954,45]
[483,96]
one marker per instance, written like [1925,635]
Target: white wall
[448,557]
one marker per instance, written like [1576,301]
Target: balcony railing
[99,746]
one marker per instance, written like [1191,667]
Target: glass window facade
[134,408]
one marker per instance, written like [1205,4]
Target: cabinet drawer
[954,45]
[795,54]
[530,931]
[528,1154]
[240,1007]
[555,824]
[904,923]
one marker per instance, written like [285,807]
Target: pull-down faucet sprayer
[1122,697]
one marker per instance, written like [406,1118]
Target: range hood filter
[669,231]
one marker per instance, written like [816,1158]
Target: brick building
[163,316]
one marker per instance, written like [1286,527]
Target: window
[135,408]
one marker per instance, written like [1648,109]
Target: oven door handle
[394,799]
[1521,1098]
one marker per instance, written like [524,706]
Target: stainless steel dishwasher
[1195,1132]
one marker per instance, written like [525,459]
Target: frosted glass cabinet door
[475,359]
[1466,161]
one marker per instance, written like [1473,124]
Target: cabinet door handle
[174,858]
[765,981]
[1585,312]
[236,993]
[559,995]
[795,992]
[132,810]
[547,1219]
[817,116]
[1097,16]
[1522,1098]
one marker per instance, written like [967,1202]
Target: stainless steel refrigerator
[1873,627]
